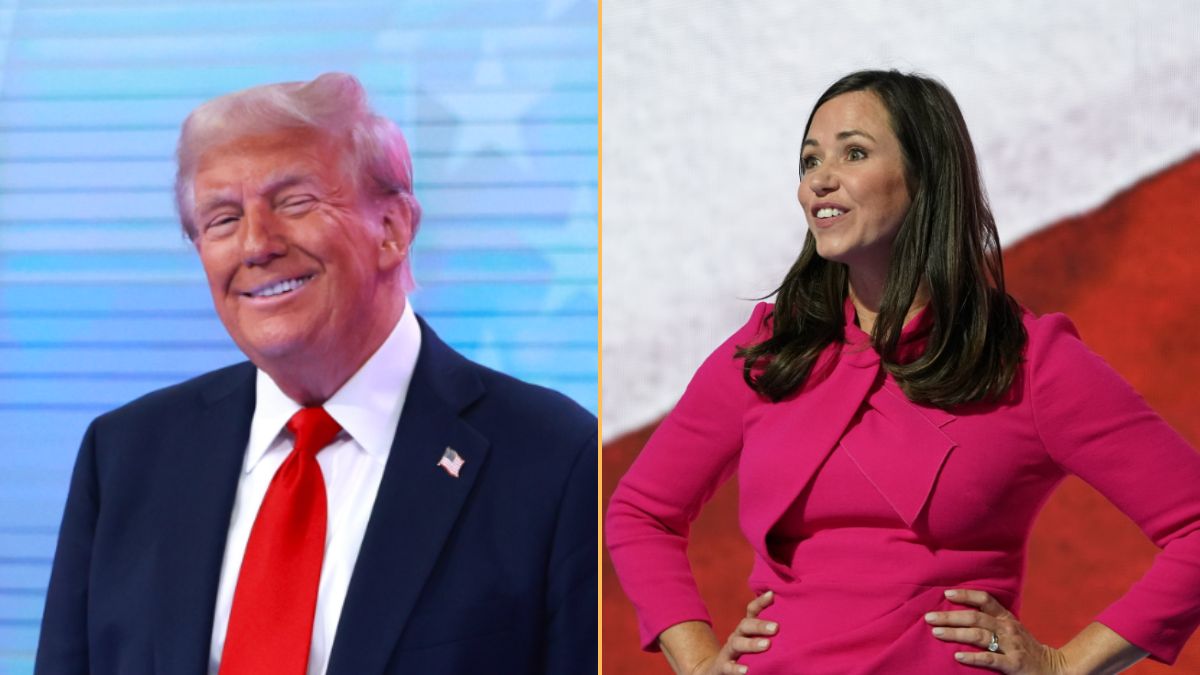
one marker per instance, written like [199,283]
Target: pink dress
[862,507]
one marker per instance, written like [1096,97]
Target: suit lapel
[415,509]
[201,483]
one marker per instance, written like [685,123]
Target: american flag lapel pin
[451,461]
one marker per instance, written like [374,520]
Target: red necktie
[271,621]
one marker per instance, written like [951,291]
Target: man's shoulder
[505,401]
[189,395]
[532,411]
[524,396]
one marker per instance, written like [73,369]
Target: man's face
[299,262]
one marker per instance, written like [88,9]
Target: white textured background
[704,103]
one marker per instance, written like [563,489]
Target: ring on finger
[994,645]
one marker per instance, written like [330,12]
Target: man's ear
[395,217]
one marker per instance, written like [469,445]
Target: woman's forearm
[1099,650]
[687,645]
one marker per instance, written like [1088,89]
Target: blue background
[102,299]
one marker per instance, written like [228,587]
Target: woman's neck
[866,292]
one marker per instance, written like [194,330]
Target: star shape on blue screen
[489,118]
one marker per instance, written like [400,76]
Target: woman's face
[854,189]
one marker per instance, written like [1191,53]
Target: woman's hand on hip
[750,637]
[1008,646]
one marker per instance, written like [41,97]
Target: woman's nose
[821,180]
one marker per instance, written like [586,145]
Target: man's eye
[218,222]
[297,202]
[856,154]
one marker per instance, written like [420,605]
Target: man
[357,499]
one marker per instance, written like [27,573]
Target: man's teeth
[828,212]
[281,287]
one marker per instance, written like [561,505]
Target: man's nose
[262,238]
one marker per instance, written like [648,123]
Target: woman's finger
[979,637]
[963,618]
[981,599]
[760,603]
[739,644]
[751,627]
[748,638]
[989,660]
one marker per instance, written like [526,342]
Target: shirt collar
[368,405]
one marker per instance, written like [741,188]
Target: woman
[896,421]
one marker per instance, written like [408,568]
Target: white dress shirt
[368,407]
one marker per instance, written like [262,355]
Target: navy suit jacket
[490,572]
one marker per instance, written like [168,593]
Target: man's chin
[264,350]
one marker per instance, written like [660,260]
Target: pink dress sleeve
[1098,428]
[692,452]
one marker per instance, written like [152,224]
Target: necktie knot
[313,429]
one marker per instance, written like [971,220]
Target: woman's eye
[856,154]
[808,162]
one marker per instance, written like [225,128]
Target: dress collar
[913,337]
[855,405]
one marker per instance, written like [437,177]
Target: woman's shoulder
[1054,343]
[1047,328]
[1049,322]
[761,320]
[756,329]
[724,362]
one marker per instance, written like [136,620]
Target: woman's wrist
[688,646]
[1059,662]
[1098,650]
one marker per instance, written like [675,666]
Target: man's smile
[276,288]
